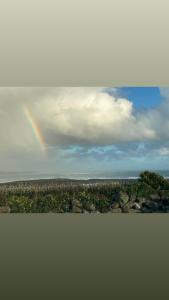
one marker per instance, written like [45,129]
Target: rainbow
[36,129]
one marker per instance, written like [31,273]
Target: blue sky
[146,97]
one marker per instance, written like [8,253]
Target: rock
[122,198]
[76,203]
[136,206]
[165,208]
[151,206]
[77,206]
[116,210]
[90,207]
[165,202]
[140,200]
[5,209]
[85,211]
[126,209]
[105,210]
[154,197]
[76,209]
[115,205]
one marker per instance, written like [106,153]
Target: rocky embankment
[122,204]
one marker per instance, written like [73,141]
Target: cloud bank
[90,116]
[81,122]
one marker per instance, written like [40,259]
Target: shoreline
[68,180]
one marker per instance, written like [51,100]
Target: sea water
[20,176]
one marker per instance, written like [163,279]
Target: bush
[153,183]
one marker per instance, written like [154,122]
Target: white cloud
[164,151]
[80,115]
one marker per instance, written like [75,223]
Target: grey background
[84,257]
[84,43]
[76,42]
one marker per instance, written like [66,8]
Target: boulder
[165,208]
[105,210]
[115,205]
[154,197]
[140,200]
[130,208]
[126,209]
[86,211]
[76,203]
[151,206]
[136,206]
[165,202]
[90,207]
[122,198]
[76,209]
[5,209]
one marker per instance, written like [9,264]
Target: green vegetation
[150,193]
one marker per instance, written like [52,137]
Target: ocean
[21,176]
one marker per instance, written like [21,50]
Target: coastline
[71,179]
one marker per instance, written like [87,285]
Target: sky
[142,96]
[69,130]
